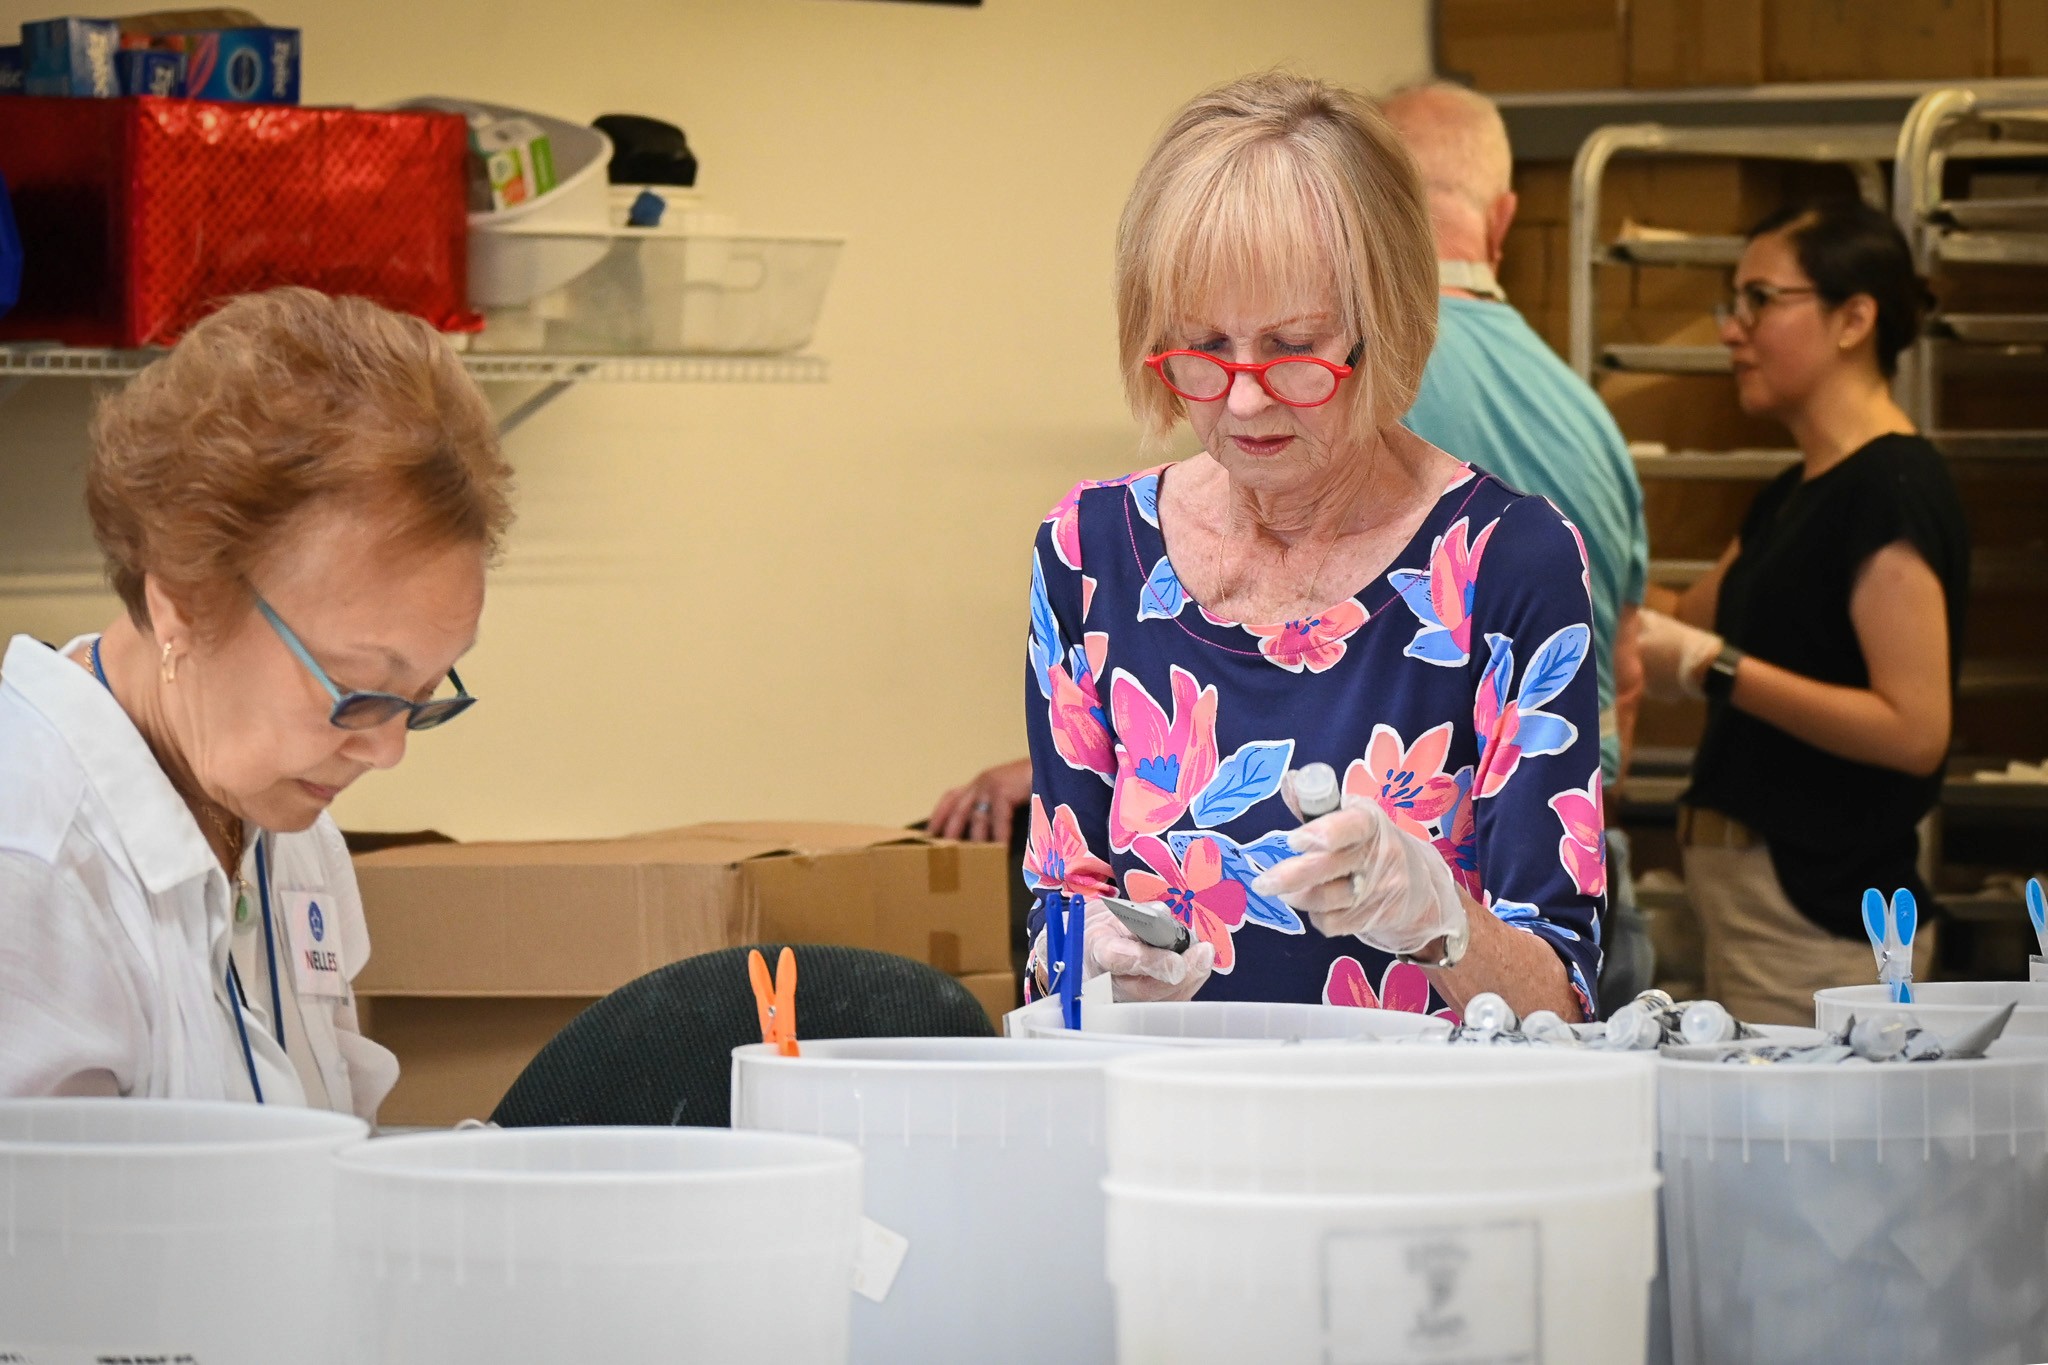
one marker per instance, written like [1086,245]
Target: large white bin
[986,1154]
[1382,1204]
[157,1229]
[626,1246]
[1219,1023]
[1885,1215]
[1947,1007]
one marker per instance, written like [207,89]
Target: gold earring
[170,665]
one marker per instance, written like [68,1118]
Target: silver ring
[981,808]
[1357,888]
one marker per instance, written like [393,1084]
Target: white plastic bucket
[986,1155]
[1887,1215]
[629,1246]
[161,1229]
[1219,1023]
[2037,967]
[1380,1120]
[1540,1274]
[1947,1007]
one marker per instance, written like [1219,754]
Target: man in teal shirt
[1496,395]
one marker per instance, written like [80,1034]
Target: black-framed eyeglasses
[368,710]
[1299,381]
[1745,301]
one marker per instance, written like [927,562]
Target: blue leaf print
[1500,662]
[1145,492]
[1045,631]
[1243,863]
[1162,596]
[1413,585]
[1435,645]
[1518,913]
[1243,780]
[1555,663]
[1541,733]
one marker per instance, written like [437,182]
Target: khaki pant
[1764,960]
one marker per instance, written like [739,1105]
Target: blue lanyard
[237,999]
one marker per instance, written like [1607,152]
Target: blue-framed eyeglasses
[368,710]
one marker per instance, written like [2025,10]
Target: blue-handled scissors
[2037,911]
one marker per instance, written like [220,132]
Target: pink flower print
[1057,857]
[1066,516]
[1160,764]
[1200,896]
[1087,595]
[1496,720]
[1409,783]
[1441,596]
[1315,643]
[1080,731]
[1585,560]
[1404,986]
[1459,844]
[1583,850]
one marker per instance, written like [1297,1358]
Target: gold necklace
[232,837]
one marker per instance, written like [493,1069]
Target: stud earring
[170,665]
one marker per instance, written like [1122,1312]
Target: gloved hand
[1359,873]
[1675,655]
[1137,970]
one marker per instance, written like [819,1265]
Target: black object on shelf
[646,151]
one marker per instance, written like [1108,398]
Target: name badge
[315,941]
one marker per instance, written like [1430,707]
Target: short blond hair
[1289,186]
[279,402]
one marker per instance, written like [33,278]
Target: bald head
[1461,146]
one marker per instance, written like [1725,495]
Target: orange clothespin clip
[776,998]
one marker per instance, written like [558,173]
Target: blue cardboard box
[71,57]
[145,71]
[11,70]
[249,65]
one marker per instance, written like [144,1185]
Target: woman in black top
[1826,638]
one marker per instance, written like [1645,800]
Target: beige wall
[798,600]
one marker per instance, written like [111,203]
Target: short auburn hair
[278,403]
[1289,186]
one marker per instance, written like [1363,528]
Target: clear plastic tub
[1887,1215]
[1219,1023]
[1380,1120]
[986,1154]
[672,291]
[160,1229]
[1947,1007]
[1538,1274]
[629,1246]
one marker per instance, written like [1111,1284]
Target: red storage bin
[139,216]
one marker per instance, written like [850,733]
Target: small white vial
[1488,1013]
[1634,1028]
[1315,790]
[1707,1021]
[1547,1026]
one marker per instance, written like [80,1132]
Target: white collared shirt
[117,924]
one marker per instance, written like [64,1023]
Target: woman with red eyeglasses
[1315,585]
[1826,639]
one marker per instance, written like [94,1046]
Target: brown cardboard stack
[1687,43]
[1856,40]
[1534,44]
[481,952]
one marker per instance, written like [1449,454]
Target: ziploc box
[146,71]
[246,65]
[70,57]
[518,160]
[11,70]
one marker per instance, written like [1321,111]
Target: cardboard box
[997,991]
[1534,44]
[586,917]
[244,65]
[12,73]
[1681,43]
[2023,37]
[1855,40]
[145,71]
[457,1058]
[72,57]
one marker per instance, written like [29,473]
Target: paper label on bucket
[1420,1296]
[89,1355]
[876,1261]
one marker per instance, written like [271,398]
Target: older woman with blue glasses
[297,507]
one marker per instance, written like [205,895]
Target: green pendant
[241,907]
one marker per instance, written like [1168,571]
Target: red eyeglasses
[1299,381]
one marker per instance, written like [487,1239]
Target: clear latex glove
[1138,971]
[1675,655]
[1359,873]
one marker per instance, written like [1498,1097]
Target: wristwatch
[1720,676]
[1455,944]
